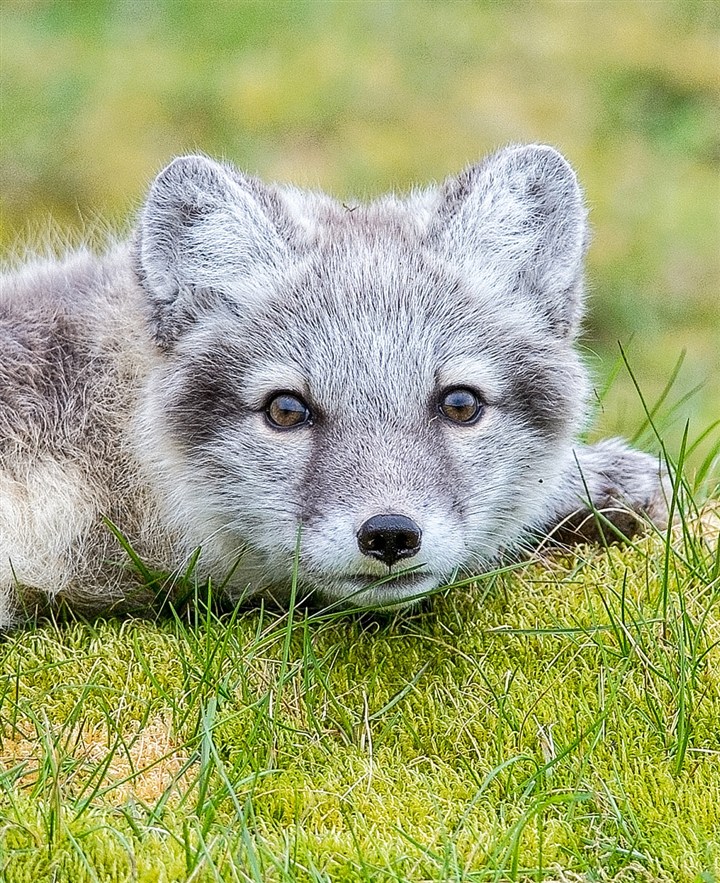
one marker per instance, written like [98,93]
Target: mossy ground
[556,722]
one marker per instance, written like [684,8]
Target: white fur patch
[42,518]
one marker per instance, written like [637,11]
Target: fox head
[385,394]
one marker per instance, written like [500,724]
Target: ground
[554,721]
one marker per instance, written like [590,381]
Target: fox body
[286,383]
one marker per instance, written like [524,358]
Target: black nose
[389,538]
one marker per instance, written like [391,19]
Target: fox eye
[287,411]
[460,405]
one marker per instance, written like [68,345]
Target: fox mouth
[401,578]
[402,586]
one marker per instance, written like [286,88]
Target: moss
[562,723]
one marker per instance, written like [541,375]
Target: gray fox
[376,397]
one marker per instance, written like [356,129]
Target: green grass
[556,722]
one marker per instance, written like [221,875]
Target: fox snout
[388,538]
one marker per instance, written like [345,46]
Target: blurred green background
[360,97]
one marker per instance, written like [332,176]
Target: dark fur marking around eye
[206,402]
[540,398]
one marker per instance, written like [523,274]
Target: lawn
[556,721]
[552,722]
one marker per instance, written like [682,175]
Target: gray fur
[133,387]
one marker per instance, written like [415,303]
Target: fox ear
[204,229]
[518,221]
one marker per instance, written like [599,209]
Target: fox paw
[622,490]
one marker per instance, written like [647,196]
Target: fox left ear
[518,222]
[206,231]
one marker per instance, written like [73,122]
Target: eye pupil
[285,411]
[460,405]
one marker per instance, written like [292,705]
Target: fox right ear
[517,222]
[205,228]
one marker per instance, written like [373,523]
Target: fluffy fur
[134,387]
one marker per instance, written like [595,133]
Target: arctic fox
[292,385]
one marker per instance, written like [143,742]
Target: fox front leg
[610,491]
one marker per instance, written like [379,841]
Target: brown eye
[460,405]
[286,411]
